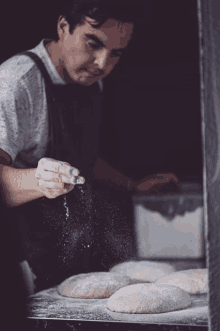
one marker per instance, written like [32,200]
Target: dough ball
[193,281]
[148,299]
[94,285]
[145,271]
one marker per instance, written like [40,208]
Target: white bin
[157,237]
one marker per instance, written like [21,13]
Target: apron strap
[41,67]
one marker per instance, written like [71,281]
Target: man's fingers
[166,177]
[56,177]
[57,166]
[68,187]
[80,180]
[49,176]
[52,193]
[59,185]
[50,164]
[45,175]
[73,180]
[49,184]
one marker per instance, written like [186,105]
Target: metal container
[160,237]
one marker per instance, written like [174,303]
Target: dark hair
[124,11]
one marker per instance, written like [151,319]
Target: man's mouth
[91,72]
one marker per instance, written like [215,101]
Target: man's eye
[94,46]
[116,54]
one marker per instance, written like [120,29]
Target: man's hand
[56,178]
[155,182]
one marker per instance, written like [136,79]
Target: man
[91,40]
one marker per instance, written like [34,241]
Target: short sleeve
[14,116]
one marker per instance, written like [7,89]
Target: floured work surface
[49,304]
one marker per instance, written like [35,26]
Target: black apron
[77,232]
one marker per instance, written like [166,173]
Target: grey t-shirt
[24,122]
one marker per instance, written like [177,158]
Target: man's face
[90,54]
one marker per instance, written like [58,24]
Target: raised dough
[148,299]
[146,271]
[194,281]
[94,285]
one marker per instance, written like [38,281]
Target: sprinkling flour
[77,222]
[66,208]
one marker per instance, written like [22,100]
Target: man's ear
[62,27]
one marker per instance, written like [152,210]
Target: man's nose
[101,59]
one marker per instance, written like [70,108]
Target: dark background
[152,116]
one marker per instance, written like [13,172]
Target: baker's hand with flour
[56,178]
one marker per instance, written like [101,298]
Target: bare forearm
[18,186]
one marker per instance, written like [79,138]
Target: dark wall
[156,99]
[152,117]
